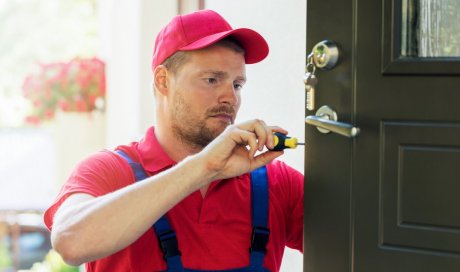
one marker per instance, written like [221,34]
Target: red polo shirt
[213,232]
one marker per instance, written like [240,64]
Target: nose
[230,95]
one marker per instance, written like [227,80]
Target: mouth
[228,118]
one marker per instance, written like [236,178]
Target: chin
[220,124]
[216,131]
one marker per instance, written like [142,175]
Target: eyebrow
[222,74]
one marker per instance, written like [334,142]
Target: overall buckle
[169,245]
[260,237]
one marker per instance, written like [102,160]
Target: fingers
[263,133]
[235,151]
[247,138]
[265,158]
[278,129]
[253,140]
[271,139]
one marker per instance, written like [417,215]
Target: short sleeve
[295,232]
[97,175]
[292,183]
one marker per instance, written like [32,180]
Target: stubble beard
[191,130]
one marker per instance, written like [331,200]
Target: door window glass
[430,28]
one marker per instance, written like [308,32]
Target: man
[193,166]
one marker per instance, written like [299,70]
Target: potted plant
[74,86]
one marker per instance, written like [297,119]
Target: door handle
[325,121]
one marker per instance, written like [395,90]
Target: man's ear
[160,79]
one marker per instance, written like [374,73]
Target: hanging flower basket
[75,86]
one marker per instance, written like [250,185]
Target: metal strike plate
[325,55]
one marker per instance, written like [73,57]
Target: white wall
[128,30]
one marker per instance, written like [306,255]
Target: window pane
[38,32]
[430,28]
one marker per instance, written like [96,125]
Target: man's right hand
[233,152]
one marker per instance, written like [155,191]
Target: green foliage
[430,28]
[5,257]
[52,263]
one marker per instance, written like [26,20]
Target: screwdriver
[283,141]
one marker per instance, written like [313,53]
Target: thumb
[265,158]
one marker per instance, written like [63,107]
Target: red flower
[80,105]
[49,114]
[37,103]
[34,120]
[69,86]
[64,105]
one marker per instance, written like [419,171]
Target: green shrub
[52,263]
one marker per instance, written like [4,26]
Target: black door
[388,199]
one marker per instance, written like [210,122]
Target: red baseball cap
[203,28]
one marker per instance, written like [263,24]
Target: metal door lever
[326,121]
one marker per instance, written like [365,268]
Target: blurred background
[75,78]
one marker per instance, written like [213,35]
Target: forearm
[89,229]
[101,226]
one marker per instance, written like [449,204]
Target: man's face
[206,94]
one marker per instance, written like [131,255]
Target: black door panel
[388,200]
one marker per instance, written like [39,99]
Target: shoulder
[285,182]
[279,171]
[103,166]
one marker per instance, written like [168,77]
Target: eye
[211,80]
[238,85]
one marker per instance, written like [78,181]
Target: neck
[173,146]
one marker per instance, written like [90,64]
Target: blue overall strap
[139,172]
[260,231]
[163,230]
[168,244]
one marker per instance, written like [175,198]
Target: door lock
[325,54]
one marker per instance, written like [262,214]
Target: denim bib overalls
[260,231]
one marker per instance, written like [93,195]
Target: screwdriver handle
[282,142]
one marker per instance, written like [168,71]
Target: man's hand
[233,152]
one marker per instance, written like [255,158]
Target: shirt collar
[154,158]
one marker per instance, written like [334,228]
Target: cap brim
[255,46]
